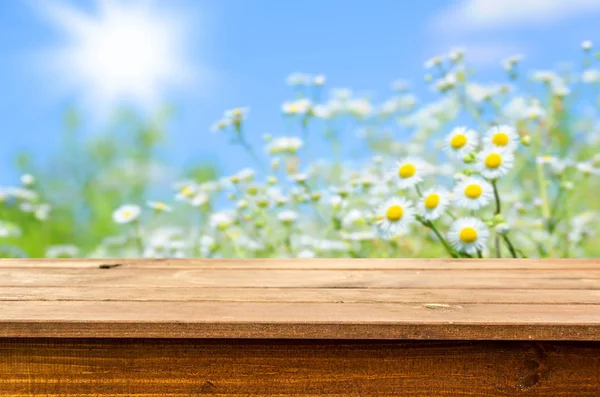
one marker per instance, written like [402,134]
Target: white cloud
[122,51]
[480,15]
[480,25]
[491,53]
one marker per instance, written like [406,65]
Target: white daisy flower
[409,172]
[502,136]
[468,235]
[27,179]
[221,220]
[433,203]
[300,106]
[394,216]
[319,80]
[461,141]
[353,218]
[284,145]
[587,168]
[159,206]
[199,200]
[186,191]
[287,217]
[306,253]
[495,162]
[473,193]
[126,213]
[62,251]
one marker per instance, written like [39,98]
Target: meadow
[506,169]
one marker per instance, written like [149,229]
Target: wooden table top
[400,299]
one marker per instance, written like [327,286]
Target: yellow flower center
[394,213]
[186,191]
[468,235]
[160,206]
[432,201]
[407,170]
[493,160]
[473,191]
[500,139]
[458,141]
[126,214]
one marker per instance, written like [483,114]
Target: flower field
[508,169]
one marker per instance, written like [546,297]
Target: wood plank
[308,369]
[299,295]
[309,264]
[270,278]
[299,320]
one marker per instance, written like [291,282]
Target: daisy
[159,206]
[287,217]
[394,217]
[221,220]
[284,145]
[502,136]
[199,200]
[473,193]
[27,179]
[494,162]
[319,80]
[468,235]
[433,203]
[461,141]
[298,107]
[186,191]
[587,168]
[410,172]
[126,213]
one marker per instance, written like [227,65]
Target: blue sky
[238,53]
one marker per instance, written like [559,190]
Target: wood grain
[315,264]
[418,328]
[172,368]
[324,278]
[298,295]
[349,299]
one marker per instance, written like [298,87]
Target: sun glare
[129,52]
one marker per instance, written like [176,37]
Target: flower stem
[242,141]
[498,211]
[510,246]
[496,197]
[441,238]
[543,192]
[138,238]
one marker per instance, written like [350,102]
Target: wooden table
[300,327]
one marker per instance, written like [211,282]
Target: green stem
[138,238]
[496,197]
[304,124]
[441,238]
[510,246]
[236,247]
[242,141]
[497,243]
[543,192]
[498,211]
[418,190]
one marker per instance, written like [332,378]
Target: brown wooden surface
[326,298]
[157,367]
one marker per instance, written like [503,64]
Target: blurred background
[106,102]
